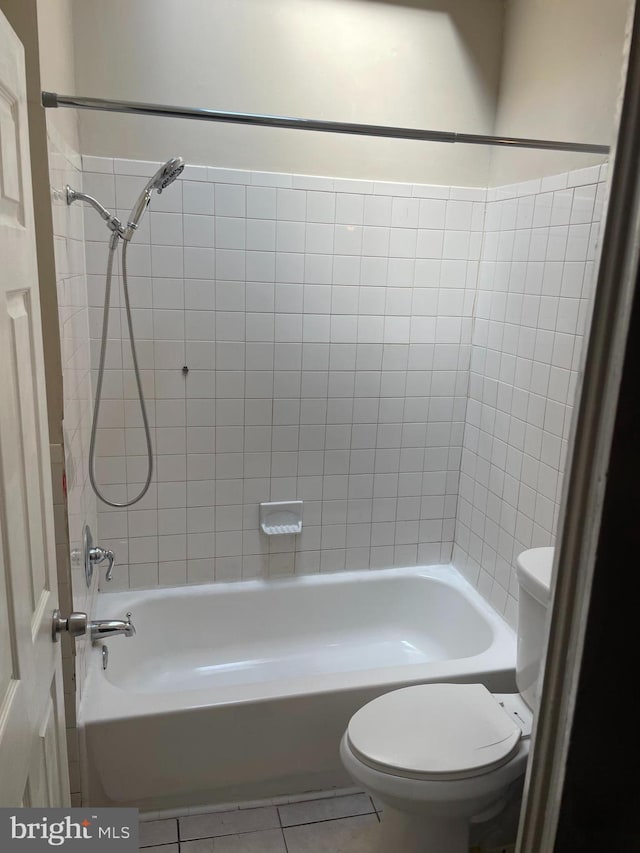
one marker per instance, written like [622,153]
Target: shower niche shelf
[281,518]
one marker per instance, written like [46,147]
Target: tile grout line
[375,810]
[284,837]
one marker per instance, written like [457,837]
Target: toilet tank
[534,579]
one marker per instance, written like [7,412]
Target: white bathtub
[242,691]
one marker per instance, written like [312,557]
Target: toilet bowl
[442,756]
[436,756]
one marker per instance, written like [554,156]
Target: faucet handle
[99,555]
[111,557]
[132,629]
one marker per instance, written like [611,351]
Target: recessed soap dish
[281,518]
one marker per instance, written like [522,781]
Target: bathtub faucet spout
[102,629]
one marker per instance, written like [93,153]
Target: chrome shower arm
[112,221]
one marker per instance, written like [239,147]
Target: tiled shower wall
[326,328]
[74,502]
[535,286]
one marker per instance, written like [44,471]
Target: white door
[33,768]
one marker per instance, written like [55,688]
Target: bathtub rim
[103,700]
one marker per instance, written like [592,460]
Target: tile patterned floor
[346,824]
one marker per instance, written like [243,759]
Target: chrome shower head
[165,175]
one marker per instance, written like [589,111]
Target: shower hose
[134,358]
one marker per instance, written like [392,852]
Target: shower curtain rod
[52,100]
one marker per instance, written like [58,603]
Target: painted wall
[57,72]
[423,63]
[561,76]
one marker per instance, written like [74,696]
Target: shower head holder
[113,223]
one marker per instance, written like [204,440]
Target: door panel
[25,370]
[11,195]
[33,767]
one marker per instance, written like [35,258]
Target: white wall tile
[321,206]
[198,230]
[198,197]
[261,202]
[166,229]
[230,200]
[291,205]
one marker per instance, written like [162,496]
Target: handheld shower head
[165,175]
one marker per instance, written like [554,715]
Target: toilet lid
[434,731]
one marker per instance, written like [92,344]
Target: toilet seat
[434,732]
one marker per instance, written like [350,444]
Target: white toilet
[439,755]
